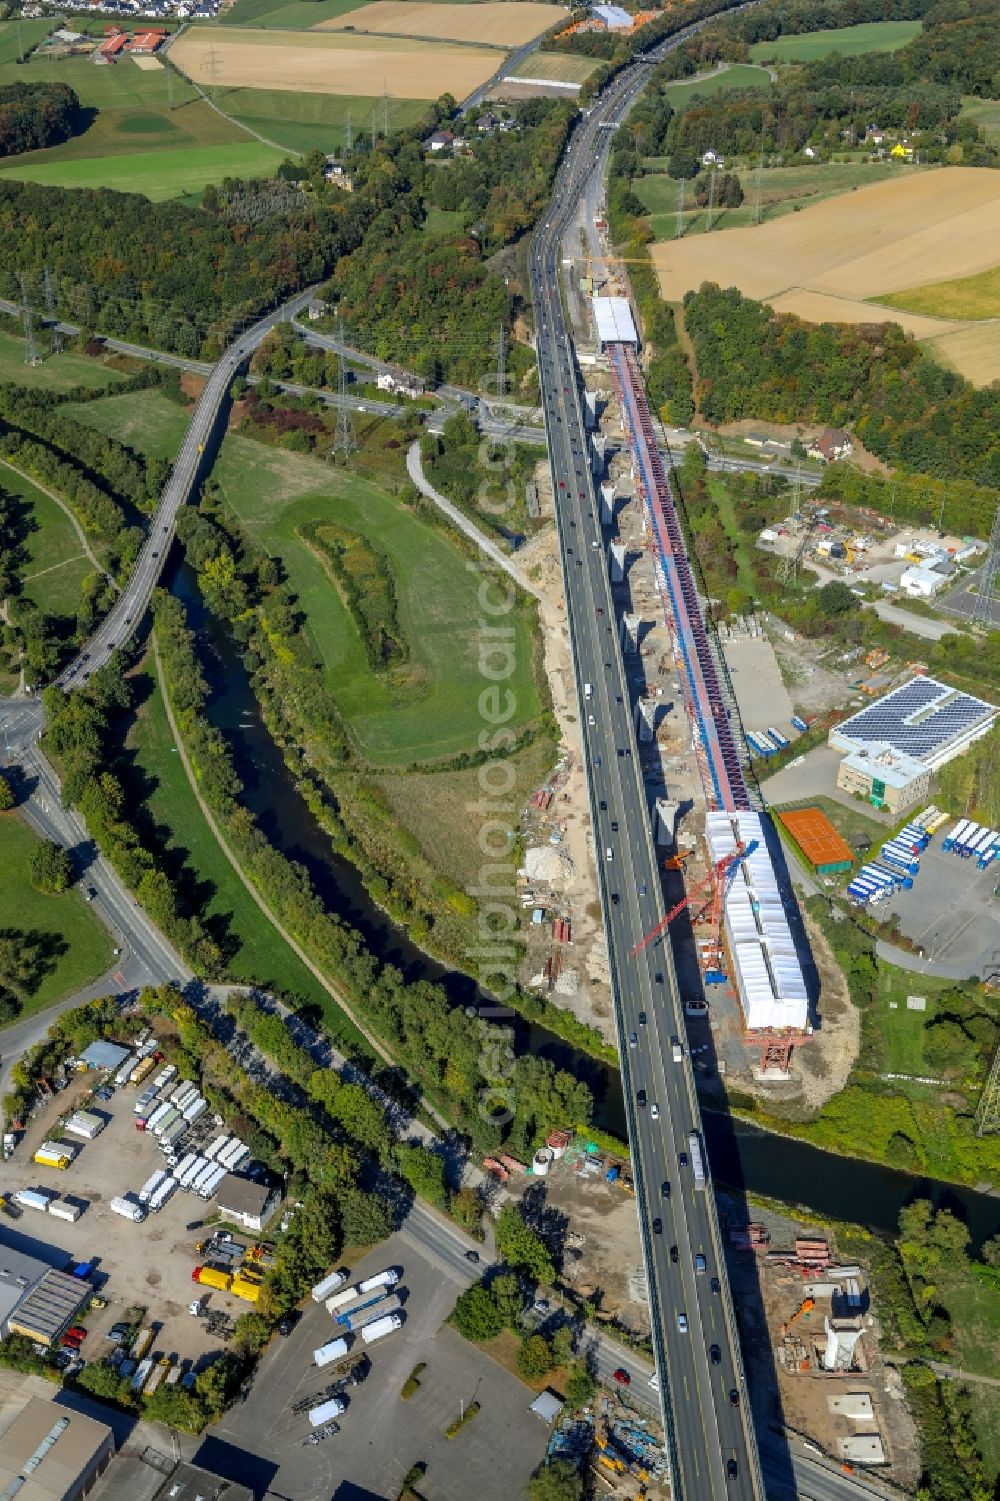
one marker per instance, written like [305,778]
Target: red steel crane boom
[718,879]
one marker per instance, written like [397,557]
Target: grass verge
[76,949]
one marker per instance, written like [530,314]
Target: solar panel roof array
[923,719]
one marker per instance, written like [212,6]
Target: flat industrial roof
[816,836]
[18,1274]
[614,321]
[104,1055]
[49,1306]
[57,1442]
[922,718]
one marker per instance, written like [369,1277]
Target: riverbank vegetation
[157,788]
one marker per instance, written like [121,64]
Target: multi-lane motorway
[706,1411]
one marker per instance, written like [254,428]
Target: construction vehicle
[803,1311]
[678,861]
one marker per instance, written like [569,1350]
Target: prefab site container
[165,1075]
[173,1134]
[217,1145]
[326,1412]
[195,1110]
[202,1176]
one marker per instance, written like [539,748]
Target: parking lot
[146,1265]
[263,1443]
[952,913]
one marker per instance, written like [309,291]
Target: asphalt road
[706,1412]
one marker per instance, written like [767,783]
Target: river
[742,1156]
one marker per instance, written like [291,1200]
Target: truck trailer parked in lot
[66,1209]
[128,1208]
[165,1191]
[388,1278]
[141,1343]
[58,1154]
[150,1186]
[33,1198]
[381,1327]
[327,1411]
[211,1184]
[362,1317]
[328,1286]
[332,1351]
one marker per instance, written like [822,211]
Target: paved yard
[952,913]
[148,1264]
[815,776]
[757,682]
[261,1442]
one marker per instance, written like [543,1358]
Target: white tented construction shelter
[614,322]
[766,968]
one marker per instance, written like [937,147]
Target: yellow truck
[58,1154]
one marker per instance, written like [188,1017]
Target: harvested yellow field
[824,262]
[317,63]
[497,23]
[973,349]
[147,64]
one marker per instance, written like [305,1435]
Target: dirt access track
[824,262]
[332,63]
[495,23]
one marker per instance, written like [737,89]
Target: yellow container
[211,1276]
[241,1288]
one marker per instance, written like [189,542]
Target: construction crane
[719,879]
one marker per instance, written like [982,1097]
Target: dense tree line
[404,288]
[871,378]
[34,115]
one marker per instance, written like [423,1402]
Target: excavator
[804,1309]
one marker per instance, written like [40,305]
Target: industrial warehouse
[36,1300]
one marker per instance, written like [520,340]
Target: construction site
[816,1367]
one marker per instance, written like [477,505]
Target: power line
[982,614]
[711,200]
[31,355]
[345,439]
[55,335]
[759,179]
